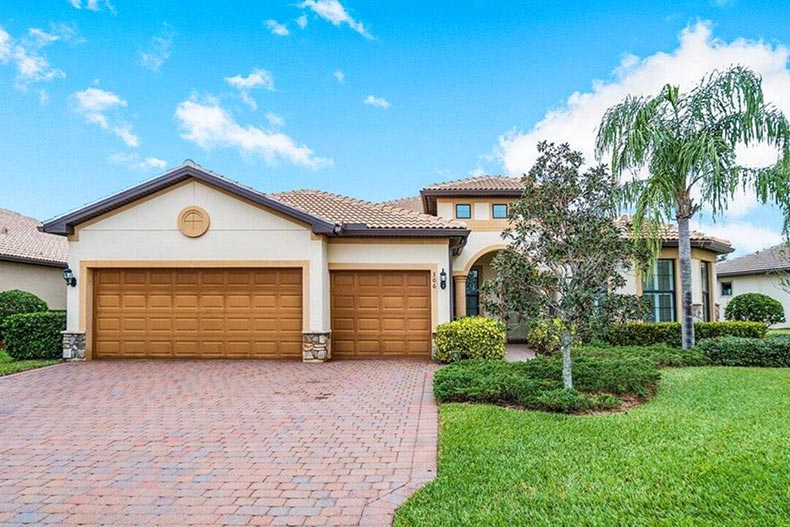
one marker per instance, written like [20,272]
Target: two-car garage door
[255,313]
[198,313]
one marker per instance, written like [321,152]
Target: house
[760,272]
[191,264]
[30,260]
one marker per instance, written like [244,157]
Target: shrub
[661,355]
[770,352]
[755,307]
[470,338]
[537,384]
[35,335]
[15,302]
[545,336]
[648,333]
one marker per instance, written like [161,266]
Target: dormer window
[463,211]
[499,211]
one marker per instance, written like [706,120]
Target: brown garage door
[381,314]
[198,313]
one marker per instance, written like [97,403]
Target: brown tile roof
[775,258]
[412,203]
[669,233]
[344,210]
[20,240]
[480,183]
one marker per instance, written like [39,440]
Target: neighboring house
[759,272]
[30,260]
[191,264]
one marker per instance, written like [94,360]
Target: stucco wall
[239,231]
[766,284]
[44,282]
[402,254]
[477,245]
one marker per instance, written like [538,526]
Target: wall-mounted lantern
[443,279]
[68,276]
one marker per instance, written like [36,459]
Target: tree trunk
[684,250]
[567,364]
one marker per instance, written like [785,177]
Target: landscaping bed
[712,448]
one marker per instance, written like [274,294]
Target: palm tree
[687,143]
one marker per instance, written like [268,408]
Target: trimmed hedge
[545,336]
[770,352]
[648,333]
[755,307]
[661,355]
[16,302]
[470,338]
[35,335]
[537,384]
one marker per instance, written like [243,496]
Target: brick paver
[215,442]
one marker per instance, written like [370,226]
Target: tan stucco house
[765,272]
[191,264]
[30,260]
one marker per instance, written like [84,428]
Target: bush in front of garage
[35,335]
[16,302]
[470,338]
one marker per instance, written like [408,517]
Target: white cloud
[258,78]
[576,120]
[744,236]
[135,161]
[158,50]
[339,75]
[275,120]
[376,102]
[93,5]
[97,105]
[334,12]
[25,55]
[302,21]
[209,125]
[277,28]
[43,97]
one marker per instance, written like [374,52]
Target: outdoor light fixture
[68,276]
[443,279]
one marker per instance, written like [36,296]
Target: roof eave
[64,225]
[714,246]
[32,261]
[364,231]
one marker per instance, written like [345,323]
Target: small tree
[564,246]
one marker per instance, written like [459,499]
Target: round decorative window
[193,221]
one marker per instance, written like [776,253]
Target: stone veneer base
[73,345]
[316,347]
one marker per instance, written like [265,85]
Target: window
[499,211]
[473,293]
[705,274]
[726,289]
[658,288]
[463,211]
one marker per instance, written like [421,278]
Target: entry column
[460,295]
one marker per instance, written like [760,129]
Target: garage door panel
[381,314]
[198,313]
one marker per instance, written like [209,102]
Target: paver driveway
[215,442]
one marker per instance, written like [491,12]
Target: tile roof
[20,240]
[480,183]
[669,233]
[412,203]
[344,210]
[772,259]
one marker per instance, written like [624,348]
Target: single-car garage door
[381,314]
[198,313]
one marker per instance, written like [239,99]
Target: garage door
[381,314]
[198,313]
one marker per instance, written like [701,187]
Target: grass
[713,448]
[9,365]
[779,331]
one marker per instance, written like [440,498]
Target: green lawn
[780,331]
[713,448]
[9,365]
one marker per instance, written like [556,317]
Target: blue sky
[99,95]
